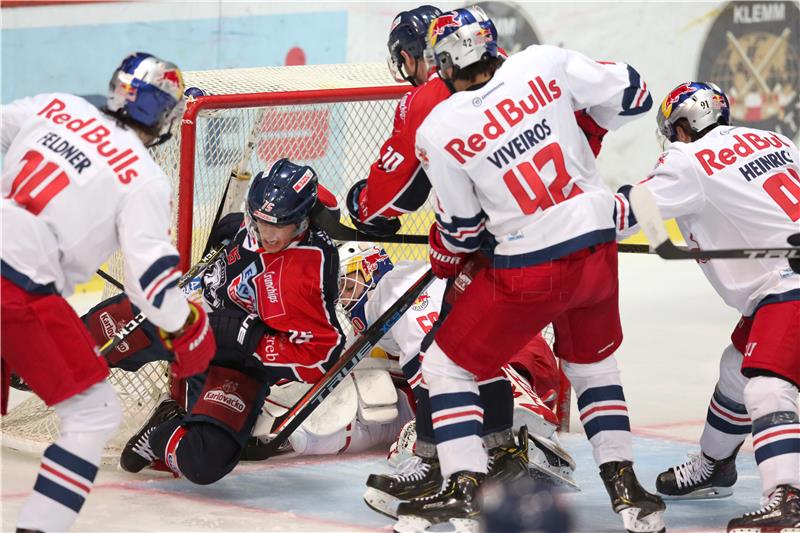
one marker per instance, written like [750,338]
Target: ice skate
[509,461]
[416,477]
[641,512]
[699,477]
[137,453]
[781,514]
[456,503]
[549,462]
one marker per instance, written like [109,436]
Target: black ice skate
[641,512]
[509,460]
[137,453]
[416,477]
[781,514]
[699,477]
[457,503]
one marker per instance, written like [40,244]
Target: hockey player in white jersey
[77,184]
[370,284]
[737,187]
[513,172]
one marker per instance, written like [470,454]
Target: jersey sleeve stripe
[159,297]
[463,234]
[155,270]
[636,99]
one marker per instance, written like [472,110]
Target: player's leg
[712,472]
[772,364]
[587,335]
[45,343]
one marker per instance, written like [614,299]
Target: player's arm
[13,116]
[307,336]
[152,274]
[396,183]
[675,186]
[611,93]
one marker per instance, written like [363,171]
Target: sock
[727,422]
[603,410]
[70,464]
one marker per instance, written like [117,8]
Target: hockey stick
[121,334]
[648,215]
[347,361]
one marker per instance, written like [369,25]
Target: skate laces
[412,469]
[694,471]
[142,446]
[769,504]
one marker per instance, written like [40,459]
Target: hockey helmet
[702,104]
[408,34]
[461,38]
[282,196]
[148,91]
[362,265]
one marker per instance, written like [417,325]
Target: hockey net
[331,117]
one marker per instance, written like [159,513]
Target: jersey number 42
[537,195]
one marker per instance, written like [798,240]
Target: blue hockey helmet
[361,267]
[282,196]
[462,37]
[408,34]
[146,90]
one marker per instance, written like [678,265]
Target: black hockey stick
[648,215]
[139,319]
[326,220]
[346,363]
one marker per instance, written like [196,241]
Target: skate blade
[768,529]
[552,451]
[382,503]
[652,523]
[559,477]
[709,493]
[416,524]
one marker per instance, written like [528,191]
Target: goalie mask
[362,265]
[279,203]
[147,91]
[461,38]
[408,32]
[702,104]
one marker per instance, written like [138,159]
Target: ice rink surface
[675,328]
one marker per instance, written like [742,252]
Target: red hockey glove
[593,131]
[471,267]
[194,345]
[445,264]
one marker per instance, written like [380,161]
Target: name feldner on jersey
[510,159]
[734,188]
[76,186]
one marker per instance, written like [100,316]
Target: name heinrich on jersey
[506,114]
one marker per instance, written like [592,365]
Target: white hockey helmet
[702,104]
[460,38]
[361,266]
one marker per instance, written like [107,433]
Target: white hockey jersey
[733,188]
[76,186]
[405,337]
[510,159]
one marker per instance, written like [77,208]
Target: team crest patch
[110,328]
[226,396]
[753,53]
[421,302]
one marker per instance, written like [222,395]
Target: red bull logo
[440,24]
[421,302]
[371,262]
[173,76]
[673,97]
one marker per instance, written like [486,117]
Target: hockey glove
[444,263]
[474,263]
[237,332]
[794,240]
[593,131]
[194,345]
[378,226]
[224,230]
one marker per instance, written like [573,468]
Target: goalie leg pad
[549,461]
[377,396]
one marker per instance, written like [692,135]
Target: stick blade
[648,215]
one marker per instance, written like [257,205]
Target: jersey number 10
[27,189]
[542,196]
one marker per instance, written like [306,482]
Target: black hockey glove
[794,240]
[237,333]
[225,229]
[378,226]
